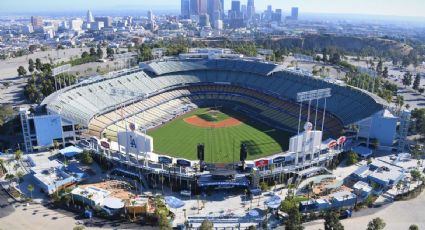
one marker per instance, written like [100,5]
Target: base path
[196,121]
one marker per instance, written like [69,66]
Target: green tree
[379,68]
[413,227]
[99,53]
[18,155]
[336,58]
[206,225]
[30,189]
[332,222]
[385,72]
[80,227]
[419,116]
[6,113]
[31,66]
[38,64]
[20,175]
[93,52]
[86,158]
[22,71]
[294,220]
[109,52]
[376,224]
[417,82]
[399,101]
[407,79]
[252,227]
[288,204]
[264,186]
[85,55]
[416,175]
[352,158]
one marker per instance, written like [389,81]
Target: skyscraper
[90,17]
[250,9]
[150,15]
[294,13]
[185,8]
[203,7]
[222,8]
[277,16]
[36,21]
[236,6]
[214,9]
[194,7]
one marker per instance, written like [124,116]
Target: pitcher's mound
[197,121]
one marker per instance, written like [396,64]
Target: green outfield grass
[179,139]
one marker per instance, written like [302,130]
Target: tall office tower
[203,7]
[250,9]
[268,14]
[243,10]
[214,6]
[90,17]
[36,21]
[185,9]
[277,16]
[204,20]
[150,15]
[294,13]
[222,8]
[236,6]
[194,7]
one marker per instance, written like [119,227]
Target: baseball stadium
[218,102]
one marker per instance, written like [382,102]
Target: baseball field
[222,132]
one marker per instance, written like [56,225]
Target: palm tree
[134,209]
[161,178]
[18,155]
[184,213]
[204,202]
[398,186]
[90,196]
[83,198]
[310,188]
[197,200]
[1,166]
[30,188]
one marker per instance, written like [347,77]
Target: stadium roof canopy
[248,66]
[83,101]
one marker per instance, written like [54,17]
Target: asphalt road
[6,204]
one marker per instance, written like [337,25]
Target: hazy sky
[368,7]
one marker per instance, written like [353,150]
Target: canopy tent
[273,202]
[70,151]
[174,202]
[362,151]
[253,213]
[113,203]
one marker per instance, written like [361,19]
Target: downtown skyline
[407,8]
